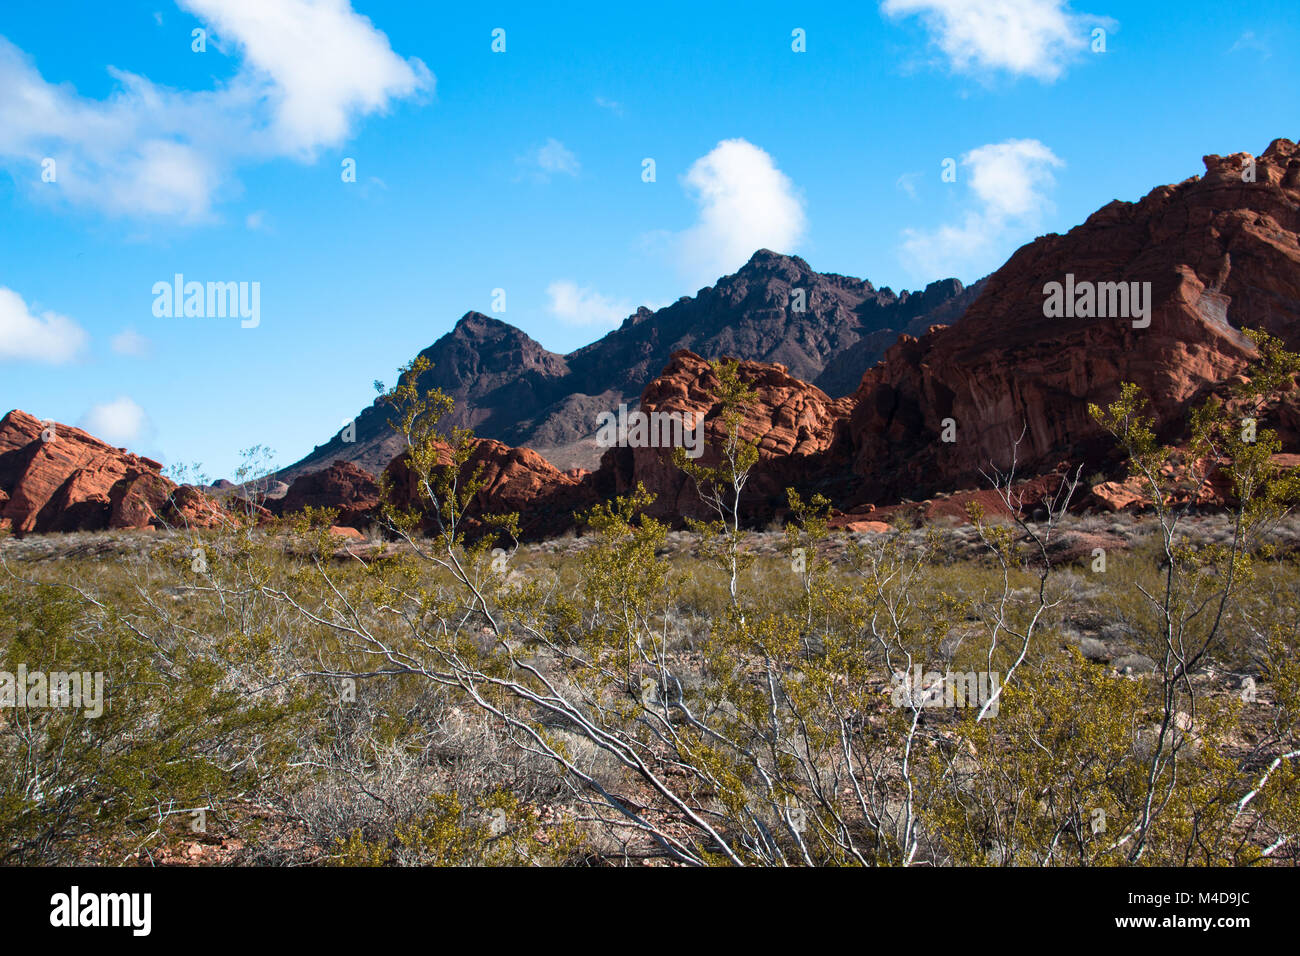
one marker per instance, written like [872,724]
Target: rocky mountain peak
[776,308]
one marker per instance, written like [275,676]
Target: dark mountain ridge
[508,387]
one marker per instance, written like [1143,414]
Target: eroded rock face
[1120,495]
[1219,254]
[1202,487]
[798,428]
[867,527]
[515,480]
[1032,496]
[190,506]
[58,478]
[352,490]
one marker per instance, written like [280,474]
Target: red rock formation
[798,428]
[352,490]
[60,478]
[190,506]
[515,480]
[867,527]
[1218,253]
[1119,495]
[1133,493]
[1030,495]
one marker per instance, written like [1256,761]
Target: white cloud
[308,70]
[1035,38]
[1009,184]
[1010,178]
[25,336]
[130,342]
[745,203]
[119,422]
[614,106]
[1248,42]
[324,62]
[574,305]
[255,221]
[550,158]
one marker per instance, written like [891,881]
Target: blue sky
[523,171]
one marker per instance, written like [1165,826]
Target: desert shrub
[174,743]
